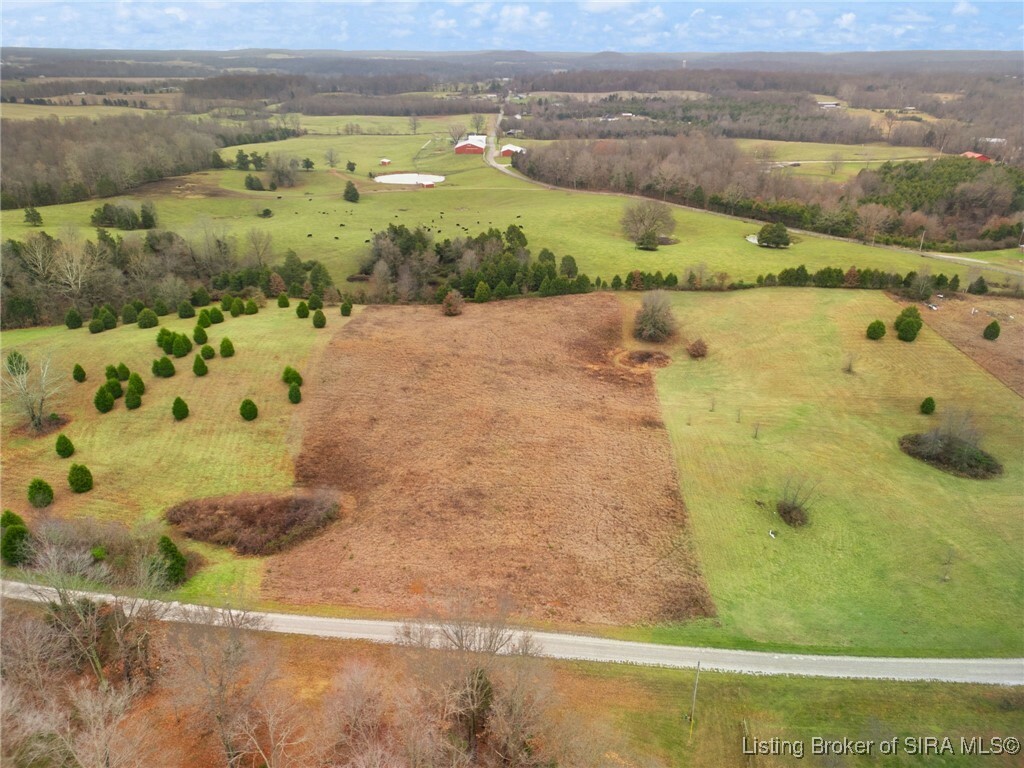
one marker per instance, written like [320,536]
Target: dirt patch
[50,426]
[647,357]
[256,524]
[501,450]
[193,186]
[961,320]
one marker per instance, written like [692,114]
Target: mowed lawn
[899,558]
[798,151]
[143,461]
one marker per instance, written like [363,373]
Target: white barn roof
[512,148]
[473,140]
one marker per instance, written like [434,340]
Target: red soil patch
[1004,357]
[501,450]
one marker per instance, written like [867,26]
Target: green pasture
[898,558]
[143,461]
[651,706]
[382,124]
[798,151]
[91,111]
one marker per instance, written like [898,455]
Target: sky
[464,25]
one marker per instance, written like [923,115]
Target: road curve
[586,648]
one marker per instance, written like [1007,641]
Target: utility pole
[693,704]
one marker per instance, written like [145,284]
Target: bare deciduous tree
[32,392]
[456,130]
[479,123]
[259,244]
[646,220]
[414,123]
[331,157]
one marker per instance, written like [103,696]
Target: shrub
[697,349]
[207,352]
[114,388]
[108,318]
[123,374]
[186,310]
[876,330]
[978,287]
[953,447]
[226,301]
[14,545]
[302,310]
[451,304]
[227,349]
[251,308]
[111,372]
[248,410]
[163,368]
[319,319]
[8,518]
[908,329]
[482,293]
[103,400]
[282,300]
[65,447]
[182,345]
[135,384]
[315,302]
[204,321]
[200,297]
[654,320]
[294,394]
[291,376]
[160,308]
[216,316]
[199,335]
[40,493]
[237,308]
[351,194]
[132,399]
[162,336]
[991,331]
[179,409]
[129,314]
[96,326]
[794,502]
[174,562]
[73,319]
[346,308]
[78,373]
[928,406]
[199,366]
[80,478]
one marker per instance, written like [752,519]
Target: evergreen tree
[248,410]
[282,300]
[78,373]
[123,374]
[65,447]
[103,400]
[216,316]
[186,310]
[129,314]
[204,321]
[250,307]
[174,562]
[294,394]
[876,330]
[207,352]
[346,309]
[135,384]
[227,349]
[148,319]
[319,319]
[237,308]
[14,545]
[992,330]
[132,399]
[114,388]
[351,194]
[199,366]
[40,493]
[483,293]
[73,319]
[80,478]
[199,335]
[108,319]
[302,310]
[179,409]
[181,346]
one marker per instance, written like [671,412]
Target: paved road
[582,647]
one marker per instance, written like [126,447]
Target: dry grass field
[504,449]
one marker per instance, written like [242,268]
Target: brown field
[1004,357]
[504,449]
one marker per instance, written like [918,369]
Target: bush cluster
[291,376]
[163,368]
[908,324]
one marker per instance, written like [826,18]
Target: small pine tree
[237,308]
[162,336]
[179,409]
[103,400]
[315,302]
[80,478]
[96,326]
[108,318]
[165,368]
[248,410]
[451,304]
[251,308]
[876,330]
[928,406]
[199,335]
[204,321]
[160,308]
[182,346]
[225,302]
[14,545]
[501,290]
[129,314]
[65,447]
[227,349]
[216,316]
[351,194]
[114,388]
[186,310]
[78,373]
[200,297]
[174,563]
[111,372]
[135,384]
[291,376]
[132,399]
[123,374]
[207,352]
[40,493]
[8,518]
[73,319]
[483,293]
[302,310]
[978,287]
[199,366]
[319,319]
[992,330]
[346,309]
[282,300]
[294,394]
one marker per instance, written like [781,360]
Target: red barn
[977,156]
[511,149]
[474,144]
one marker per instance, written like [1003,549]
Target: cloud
[441,23]
[602,6]
[802,19]
[519,18]
[696,12]
[911,16]
[176,12]
[964,8]
[648,18]
[846,21]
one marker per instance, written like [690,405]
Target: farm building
[511,149]
[977,156]
[474,144]
[385,161]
